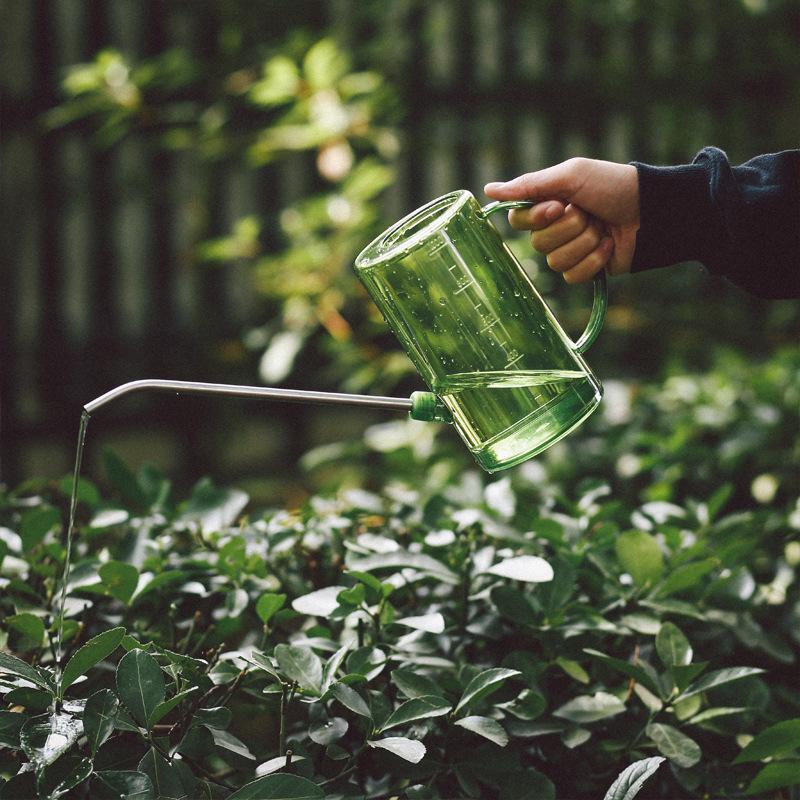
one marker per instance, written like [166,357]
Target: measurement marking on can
[513,361]
[464,287]
[490,325]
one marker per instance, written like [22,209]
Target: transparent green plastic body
[479,333]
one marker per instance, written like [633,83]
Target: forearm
[741,222]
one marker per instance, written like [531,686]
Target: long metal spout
[262,392]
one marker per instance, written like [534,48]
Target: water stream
[62,600]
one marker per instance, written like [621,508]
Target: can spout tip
[427,407]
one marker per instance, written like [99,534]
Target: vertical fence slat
[75,232]
[131,236]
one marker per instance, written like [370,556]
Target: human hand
[585,216]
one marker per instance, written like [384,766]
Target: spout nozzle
[427,407]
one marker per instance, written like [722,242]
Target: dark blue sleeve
[741,222]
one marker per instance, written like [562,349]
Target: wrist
[675,215]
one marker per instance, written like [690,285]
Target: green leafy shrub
[436,634]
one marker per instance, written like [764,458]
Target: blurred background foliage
[193,181]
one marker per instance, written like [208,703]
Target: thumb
[553,182]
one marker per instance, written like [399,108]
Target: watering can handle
[600,299]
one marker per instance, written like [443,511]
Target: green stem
[282,722]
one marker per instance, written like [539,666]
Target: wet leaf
[125,784]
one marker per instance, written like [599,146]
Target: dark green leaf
[10,724]
[554,595]
[632,778]
[163,775]
[16,666]
[99,716]
[279,787]
[123,480]
[683,676]
[686,576]
[412,684]
[30,627]
[513,604]
[326,732]
[120,579]
[122,785]
[367,661]
[673,744]
[485,726]
[418,708]
[775,776]
[140,685]
[351,699]
[672,646]
[21,785]
[719,677]
[162,709]
[301,664]
[776,740]
[35,524]
[268,604]
[93,652]
[87,491]
[32,699]
[484,684]
[527,785]
[332,666]
[631,670]
[229,742]
[218,717]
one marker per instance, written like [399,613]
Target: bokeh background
[187,182]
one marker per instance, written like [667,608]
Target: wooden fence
[97,283]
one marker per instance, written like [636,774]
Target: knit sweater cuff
[676,216]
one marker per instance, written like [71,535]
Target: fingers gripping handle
[600,299]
